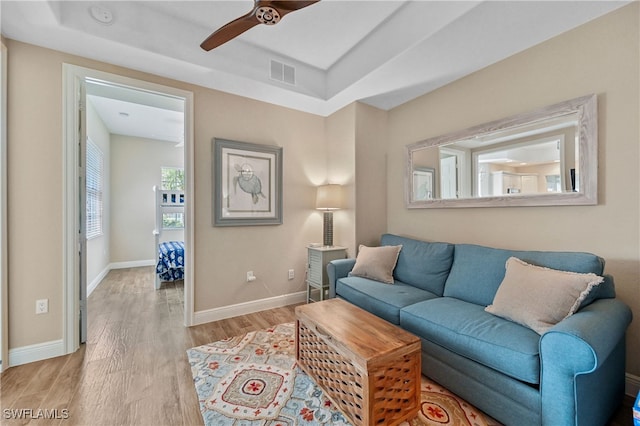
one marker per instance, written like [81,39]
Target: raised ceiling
[383,53]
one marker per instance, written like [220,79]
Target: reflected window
[553,183]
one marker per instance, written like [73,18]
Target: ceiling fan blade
[230,31]
[264,12]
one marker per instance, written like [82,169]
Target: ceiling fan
[268,12]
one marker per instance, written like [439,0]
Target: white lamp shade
[329,197]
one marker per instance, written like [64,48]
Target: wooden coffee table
[368,367]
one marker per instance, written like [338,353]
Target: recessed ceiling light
[101,14]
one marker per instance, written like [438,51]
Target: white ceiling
[126,111]
[534,153]
[383,53]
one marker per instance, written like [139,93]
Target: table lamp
[328,198]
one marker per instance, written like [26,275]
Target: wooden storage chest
[369,368]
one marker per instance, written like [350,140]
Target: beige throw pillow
[376,263]
[539,297]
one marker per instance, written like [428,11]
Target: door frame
[73,78]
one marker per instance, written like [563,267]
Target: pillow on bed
[539,297]
[376,263]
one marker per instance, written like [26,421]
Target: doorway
[76,82]
[455,173]
[448,177]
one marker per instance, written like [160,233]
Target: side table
[317,279]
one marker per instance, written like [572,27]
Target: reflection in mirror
[546,157]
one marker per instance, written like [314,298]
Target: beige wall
[370,172]
[341,158]
[4,346]
[222,255]
[356,142]
[600,57]
[34,157]
[135,168]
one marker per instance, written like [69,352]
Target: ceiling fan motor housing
[268,15]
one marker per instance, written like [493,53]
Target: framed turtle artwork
[247,184]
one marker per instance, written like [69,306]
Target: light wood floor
[133,370]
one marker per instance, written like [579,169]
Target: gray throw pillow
[539,297]
[376,263]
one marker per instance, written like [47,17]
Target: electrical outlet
[292,274]
[42,306]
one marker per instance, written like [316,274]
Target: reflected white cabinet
[317,279]
[529,184]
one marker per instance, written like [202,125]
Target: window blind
[94,178]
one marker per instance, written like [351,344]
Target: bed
[170,266]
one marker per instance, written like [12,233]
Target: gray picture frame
[247,183]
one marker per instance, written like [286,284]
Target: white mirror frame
[587,110]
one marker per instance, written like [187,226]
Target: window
[173,180]
[172,220]
[94,177]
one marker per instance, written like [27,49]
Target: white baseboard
[216,314]
[94,284]
[632,385]
[37,352]
[132,264]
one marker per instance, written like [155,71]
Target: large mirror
[546,157]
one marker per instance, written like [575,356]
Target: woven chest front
[380,390]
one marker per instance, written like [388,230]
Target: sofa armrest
[337,269]
[581,357]
[599,326]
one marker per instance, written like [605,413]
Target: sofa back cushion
[421,264]
[477,271]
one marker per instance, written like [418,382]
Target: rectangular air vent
[283,72]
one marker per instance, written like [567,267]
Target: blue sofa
[573,374]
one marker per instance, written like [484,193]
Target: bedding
[170,265]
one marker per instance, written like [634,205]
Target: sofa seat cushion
[467,330]
[383,300]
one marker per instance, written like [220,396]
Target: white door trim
[72,77]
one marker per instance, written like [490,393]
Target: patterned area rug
[253,380]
